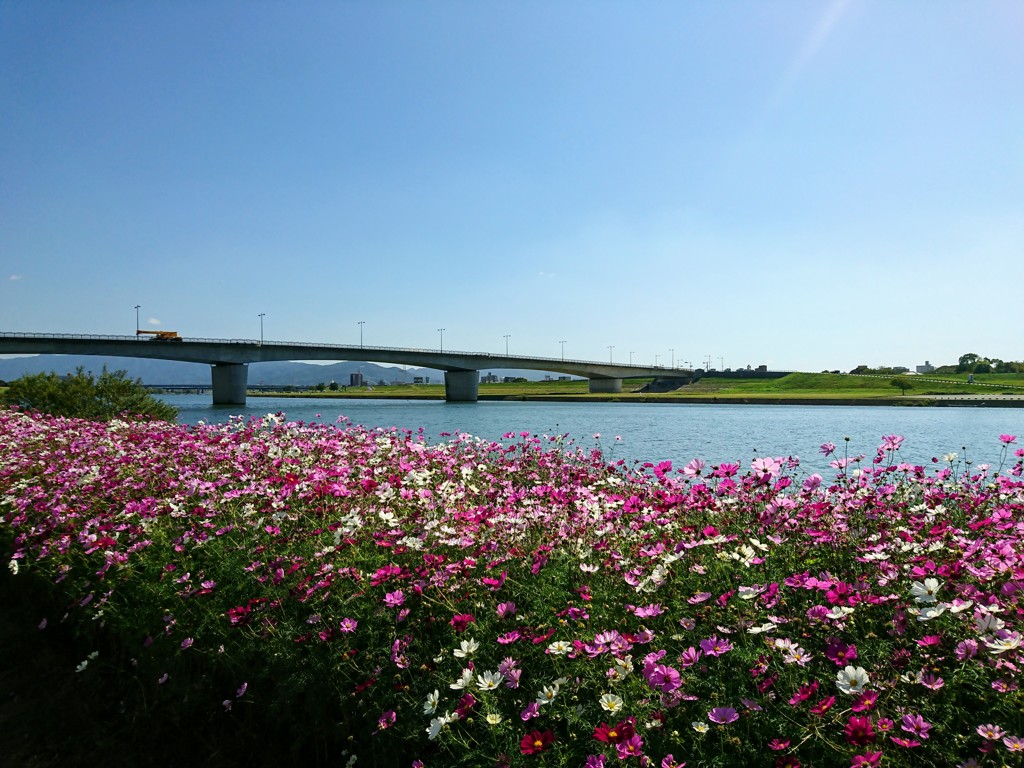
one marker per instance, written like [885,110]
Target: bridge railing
[321,345]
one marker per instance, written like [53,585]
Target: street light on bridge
[137,319]
[441,331]
[262,315]
[361,323]
[610,348]
[506,343]
[656,360]
[673,357]
[631,357]
[562,342]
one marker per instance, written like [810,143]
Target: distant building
[926,368]
[420,379]
[355,379]
[489,378]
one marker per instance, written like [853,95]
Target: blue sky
[807,185]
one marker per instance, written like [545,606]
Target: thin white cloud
[153,321]
[829,19]
[12,278]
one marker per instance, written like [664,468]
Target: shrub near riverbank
[372,598]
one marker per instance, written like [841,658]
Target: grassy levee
[796,387]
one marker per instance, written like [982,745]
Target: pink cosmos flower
[723,715]
[665,679]
[648,611]
[694,468]
[348,625]
[891,442]
[867,759]
[899,741]
[931,681]
[1007,439]
[1014,743]
[990,732]
[386,720]
[865,702]
[916,725]
[460,621]
[394,599]
[631,747]
[714,646]
[859,731]
[966,649]
[689,657]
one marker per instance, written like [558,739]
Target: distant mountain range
[155,372]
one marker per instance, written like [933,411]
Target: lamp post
[631,357]
[506,343]
[441,331]
[673,357]
[262,315]
[361,323]
[610,348]
[137,319]
[656,360]
[562,342]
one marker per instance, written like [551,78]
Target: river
[664,431]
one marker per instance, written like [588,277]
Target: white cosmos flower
[930,612]
[440,722]
[430,706]
[988,622]
[466,648]
[560,647]
[611,703]
[547,694]
[852,680]
[462,682]
[488,681]
[700,727]
[924,592]
[1004,641]
[493,718]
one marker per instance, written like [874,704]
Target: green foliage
[903,383]
[81,395]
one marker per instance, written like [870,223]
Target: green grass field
[822,386]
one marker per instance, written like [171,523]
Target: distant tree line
[968,363]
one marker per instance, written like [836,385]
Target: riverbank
[966,401]
[995,391]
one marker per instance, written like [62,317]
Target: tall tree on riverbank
[81,395]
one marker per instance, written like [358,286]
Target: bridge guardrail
[321,345]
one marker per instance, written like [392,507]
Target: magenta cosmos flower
[723,715]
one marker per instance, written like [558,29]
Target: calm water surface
[662,431]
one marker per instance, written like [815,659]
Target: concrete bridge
[229,360]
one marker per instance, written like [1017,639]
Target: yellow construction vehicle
[160,335]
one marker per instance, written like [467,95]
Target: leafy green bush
[81,395]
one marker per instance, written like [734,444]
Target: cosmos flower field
[389,600]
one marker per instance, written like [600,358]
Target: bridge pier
[605,386]
[461,386]
[229,383]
